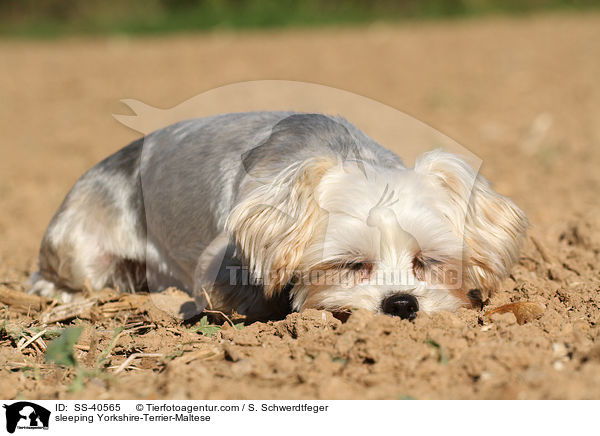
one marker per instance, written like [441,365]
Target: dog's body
[283,195]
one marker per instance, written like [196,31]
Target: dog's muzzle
[403,305]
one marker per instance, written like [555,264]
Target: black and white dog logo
[26,415]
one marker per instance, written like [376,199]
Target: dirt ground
[523,94]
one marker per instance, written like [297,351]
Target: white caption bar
[299,417]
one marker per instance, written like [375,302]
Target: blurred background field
[50,18]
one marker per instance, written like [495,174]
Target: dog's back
[152,208]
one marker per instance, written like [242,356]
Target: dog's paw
[36,285]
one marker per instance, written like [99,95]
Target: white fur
[315,208]
[383,216]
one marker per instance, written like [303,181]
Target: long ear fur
[492,225]
[273,223]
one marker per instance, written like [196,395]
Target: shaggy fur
[275,211]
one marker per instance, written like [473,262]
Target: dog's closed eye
[358,266]
[418,268]
[421,264]
[362,269]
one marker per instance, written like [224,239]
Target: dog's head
[391,240]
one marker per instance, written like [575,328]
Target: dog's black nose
[403,305]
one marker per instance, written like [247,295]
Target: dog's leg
[227,282]
[95,240]
[37,285]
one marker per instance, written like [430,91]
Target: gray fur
[171,193]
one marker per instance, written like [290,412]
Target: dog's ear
[273,223]
[493,227]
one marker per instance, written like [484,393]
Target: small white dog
[277,211]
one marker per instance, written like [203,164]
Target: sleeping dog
[269,212]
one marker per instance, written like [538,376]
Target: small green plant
[16,333]
[442,356]
[12,331]
[204,327]
[178,352]
[103,357]
[48,333]
[60,350]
